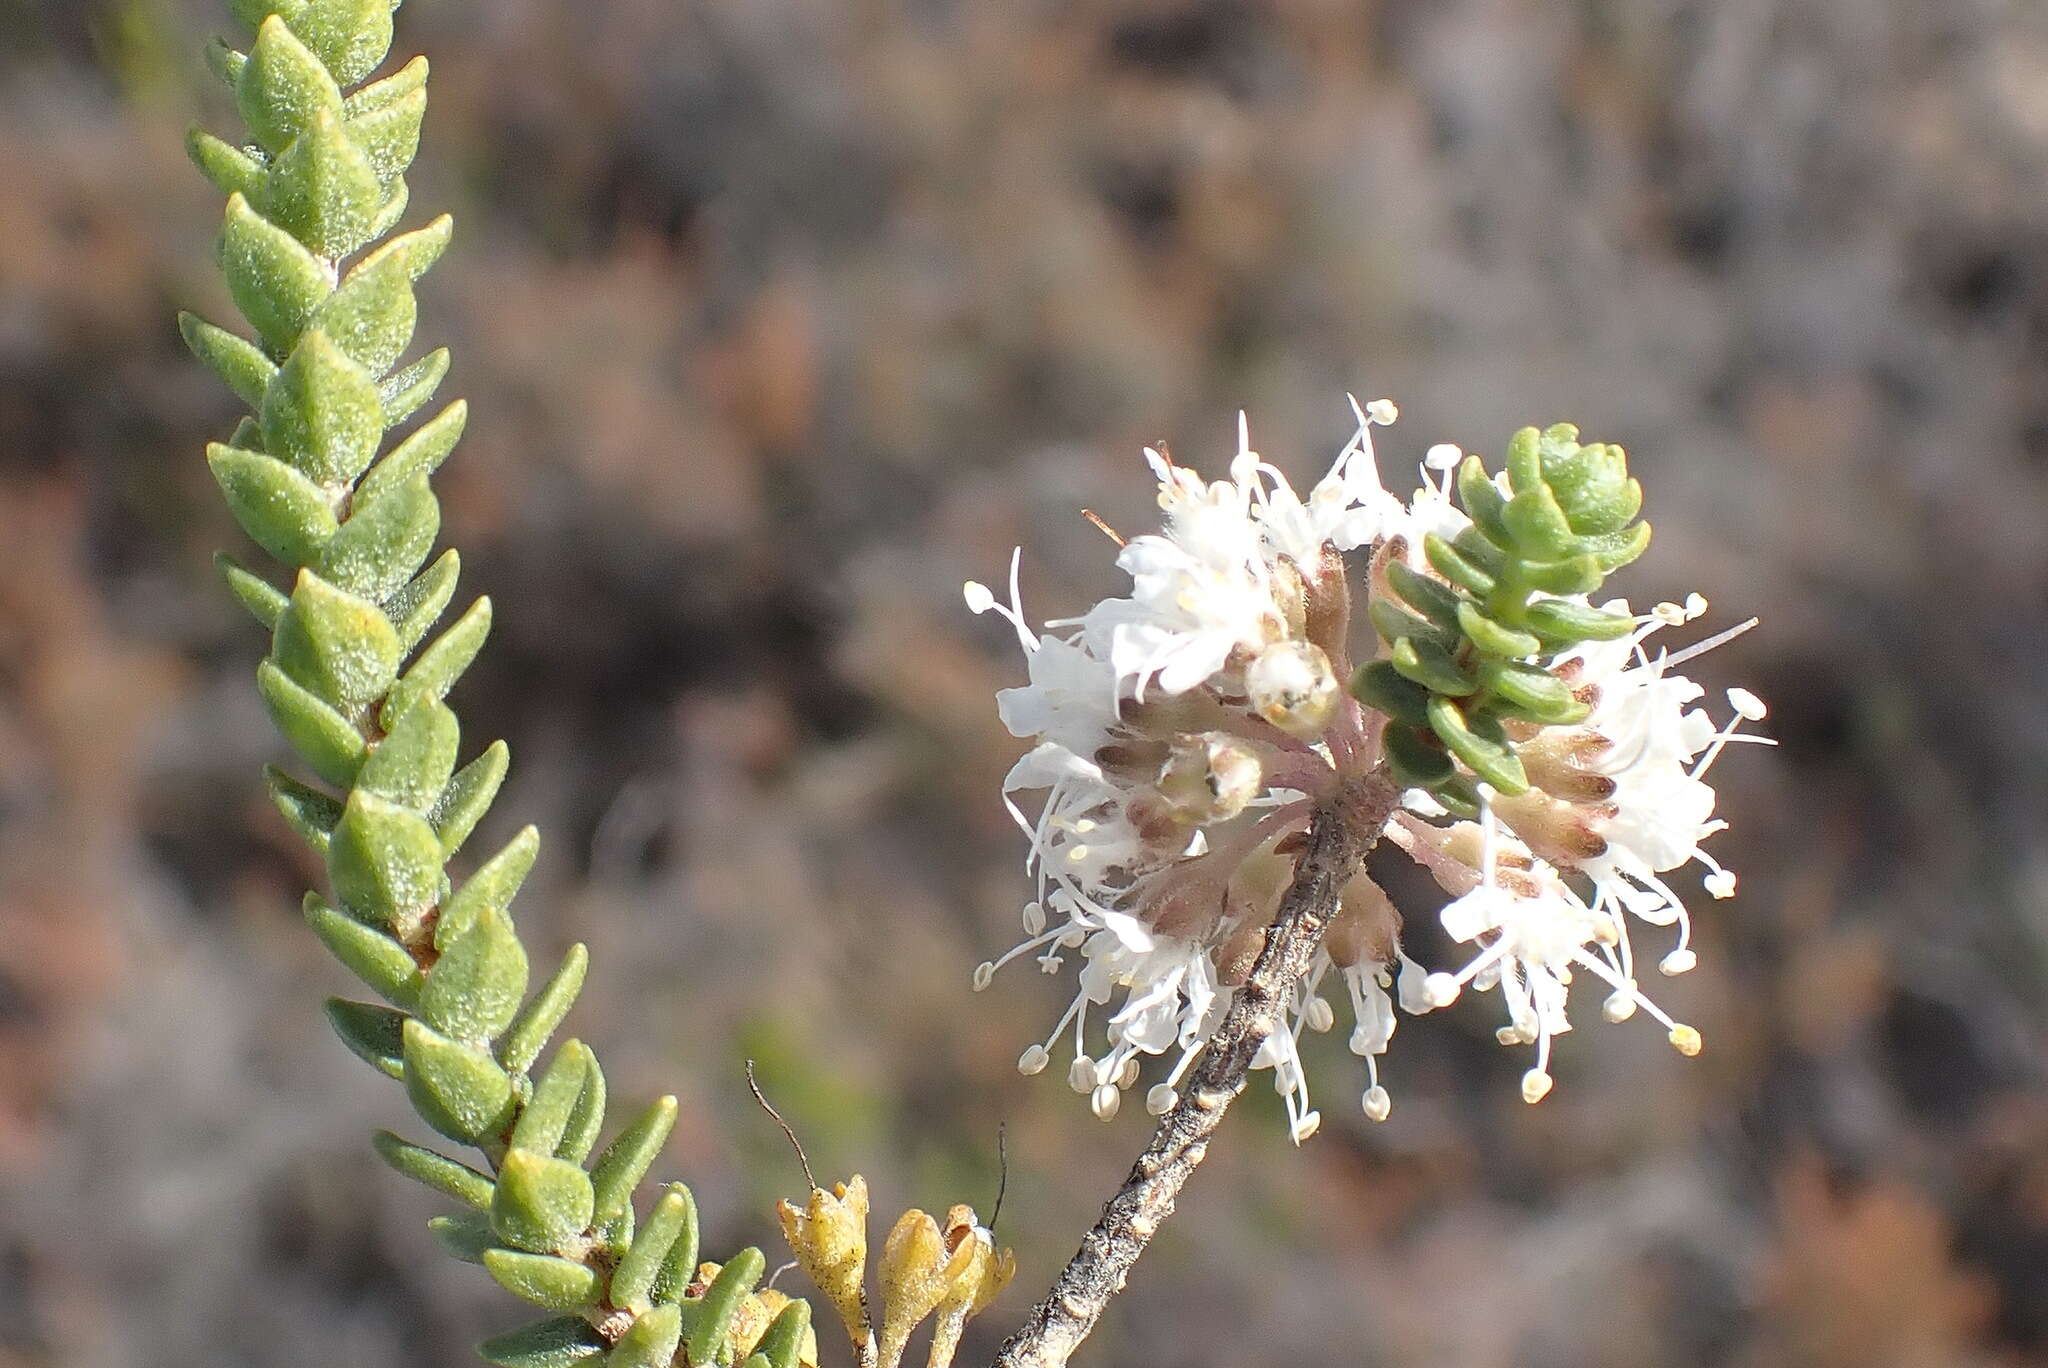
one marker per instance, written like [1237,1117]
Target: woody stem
[1341,832]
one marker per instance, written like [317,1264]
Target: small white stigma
[1104,1101]
[1440,990]
[1032,1061]
[984,975]
[1536,1086]
[1376,1103]
[1679,961]
[1161,1099]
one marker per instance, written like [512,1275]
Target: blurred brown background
[782,317]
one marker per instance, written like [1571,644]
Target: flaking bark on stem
[1341,833]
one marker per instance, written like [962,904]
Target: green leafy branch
[363,703]
[1465,644]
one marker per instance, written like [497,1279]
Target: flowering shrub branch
[1217,757]
[1215,771]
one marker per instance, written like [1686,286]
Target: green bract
[355,679]
[1466,641]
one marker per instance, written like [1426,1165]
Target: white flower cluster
[1182,735]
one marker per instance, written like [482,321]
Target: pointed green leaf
[1537,525]
[1393,623]
[1494,639]
[468,795]
[421,453]
[586,1118]
[239,363]
[1573,575]
[460,1092]
[322,412]
[437,1171]
[434,673]
[384,118]
[1385,689]
[1618,548]
[1482,499]
[466,1235]
[564,1342]
[335,644]
[225,62]
[541,1202]
[323,190]
[678,1266]
[329,742]
[1479,742]
[1432,598]
[407,391]
[651,1341]
[1563,624]
[1454,566]
[1419,760]
[722,1301]
[491,888]
[396,197]
[265,603]
[543,1279]
[384,860]
[373,312]
[537,1021]
[366,952]
[674,1218]
[1432,667]
[282,87]
[384,542]
[275,282]
[1535,694]
[231,169]
[411,766]
[282,511]
[311,813]
[783,1344]
[546,1113]
[1604,508]
[350,36]
[417,606]
[478,983]
[626,1160]
[373,1033]
[1525,459]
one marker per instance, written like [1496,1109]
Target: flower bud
[1291,685]
[1210,778]
[829,1237]
[1365,925]
[987,1273]
[917,1271]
